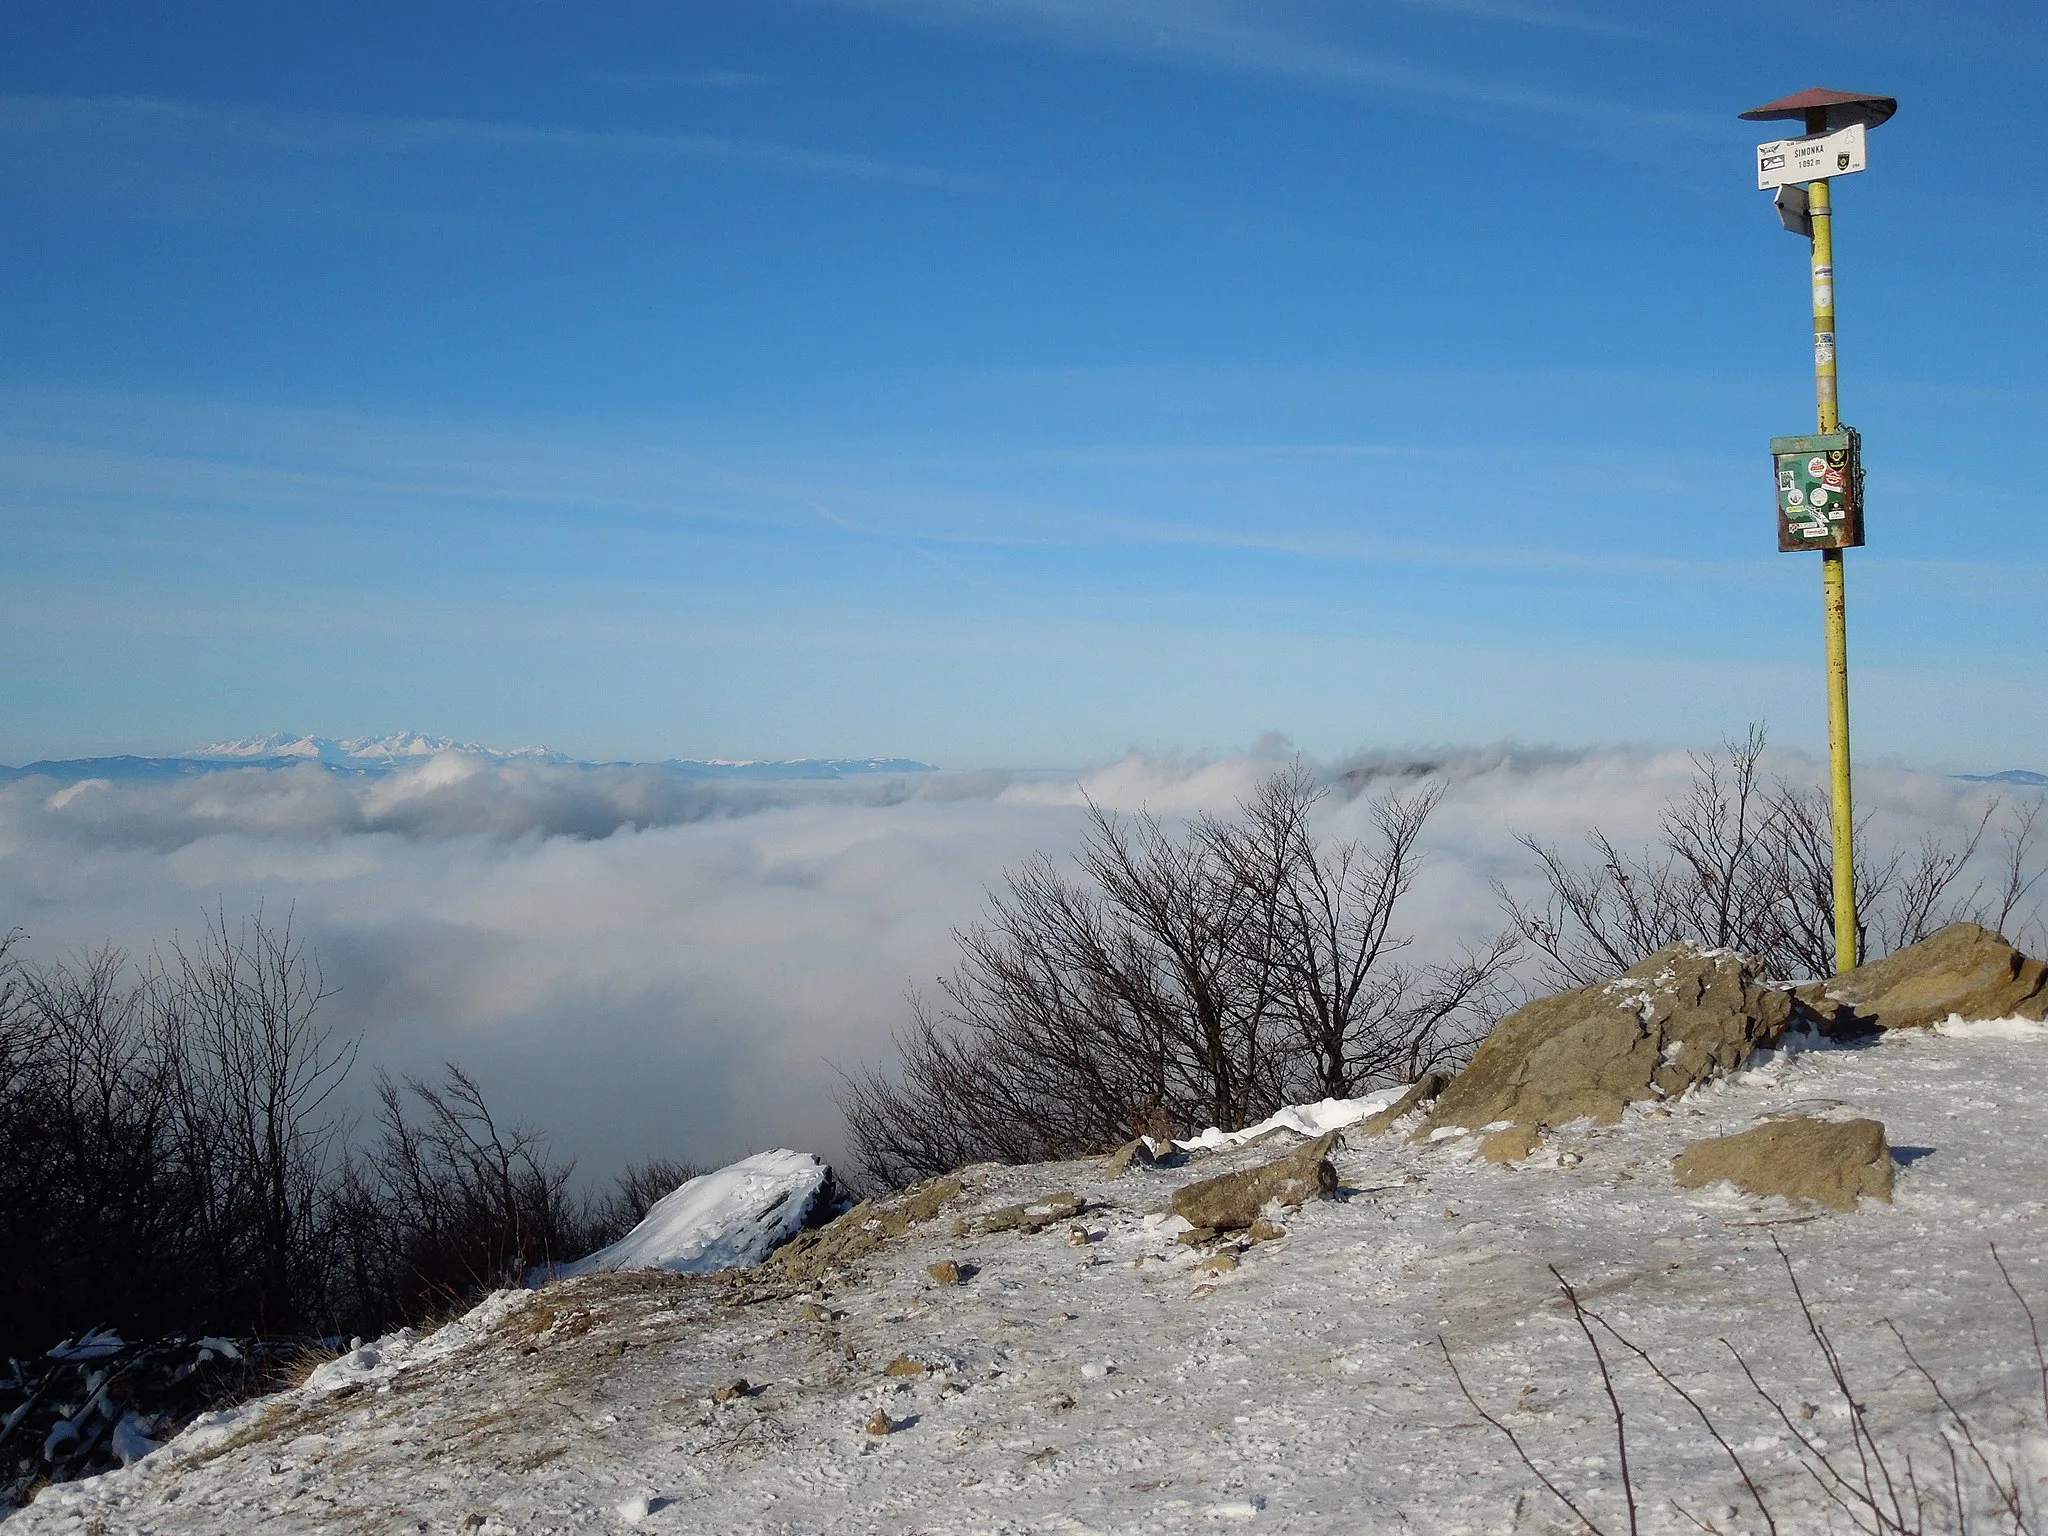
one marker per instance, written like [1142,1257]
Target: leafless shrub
[164,1137]
[1181,978]
[1746,862]
[171,1160]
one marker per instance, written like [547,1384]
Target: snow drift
[724,1220]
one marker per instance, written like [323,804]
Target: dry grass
[296,1368]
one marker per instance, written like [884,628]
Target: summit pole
[1834,594]
[1820,478]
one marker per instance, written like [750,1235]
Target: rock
[1034,1216]
[1264,1231]
[1963,969]
[879,1423]
[945,1272]
[1424,1090]
[1119,1162]
[862,1230]
[904,1365]
[1194,1237]
[1671,1021]
[1829,1162]
[816,1312]
[1230,1202]
[1510,1145]
[730,1219]
[1218,1264]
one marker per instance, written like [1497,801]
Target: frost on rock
[724,1220]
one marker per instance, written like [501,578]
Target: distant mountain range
[2010,776]
[369,756]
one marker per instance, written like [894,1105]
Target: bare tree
[254,1070]
[1190,978]
[1744,862]
[1083,1010]
[1358,1016]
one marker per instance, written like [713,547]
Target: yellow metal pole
[1832,589]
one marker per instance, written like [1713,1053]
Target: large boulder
[1963,970]
[1652,1032]
[1828,1162]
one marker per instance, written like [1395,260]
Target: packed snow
[736,1216]
[1309,1120]
[1097,1376]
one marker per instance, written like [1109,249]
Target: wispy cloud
[1264,40]
[156,122]
[123,464]
[1545,17]
[221,461]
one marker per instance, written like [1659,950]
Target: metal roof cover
[1841,107]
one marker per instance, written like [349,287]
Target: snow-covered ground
[1098,1376]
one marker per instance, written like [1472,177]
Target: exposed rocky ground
[1039,1349]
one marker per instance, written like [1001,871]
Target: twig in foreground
[1628,1487]
[1535,1471]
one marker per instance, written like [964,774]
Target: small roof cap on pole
[1841,108]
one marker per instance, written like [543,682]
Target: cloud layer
[648,966]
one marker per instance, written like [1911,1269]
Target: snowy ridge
[398,747]
[1099,1376]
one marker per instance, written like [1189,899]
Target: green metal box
[1820,490]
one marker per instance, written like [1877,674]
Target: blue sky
[1001,383]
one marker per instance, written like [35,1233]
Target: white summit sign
[1783,161]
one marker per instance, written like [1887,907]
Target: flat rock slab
[1827,1162]
[1230,1202]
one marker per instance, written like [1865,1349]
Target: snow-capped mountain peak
[359,750]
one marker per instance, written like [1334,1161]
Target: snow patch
[1310,1120]
[1956,1028]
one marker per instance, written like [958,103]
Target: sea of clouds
[645,965]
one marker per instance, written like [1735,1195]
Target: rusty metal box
[1820,490]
